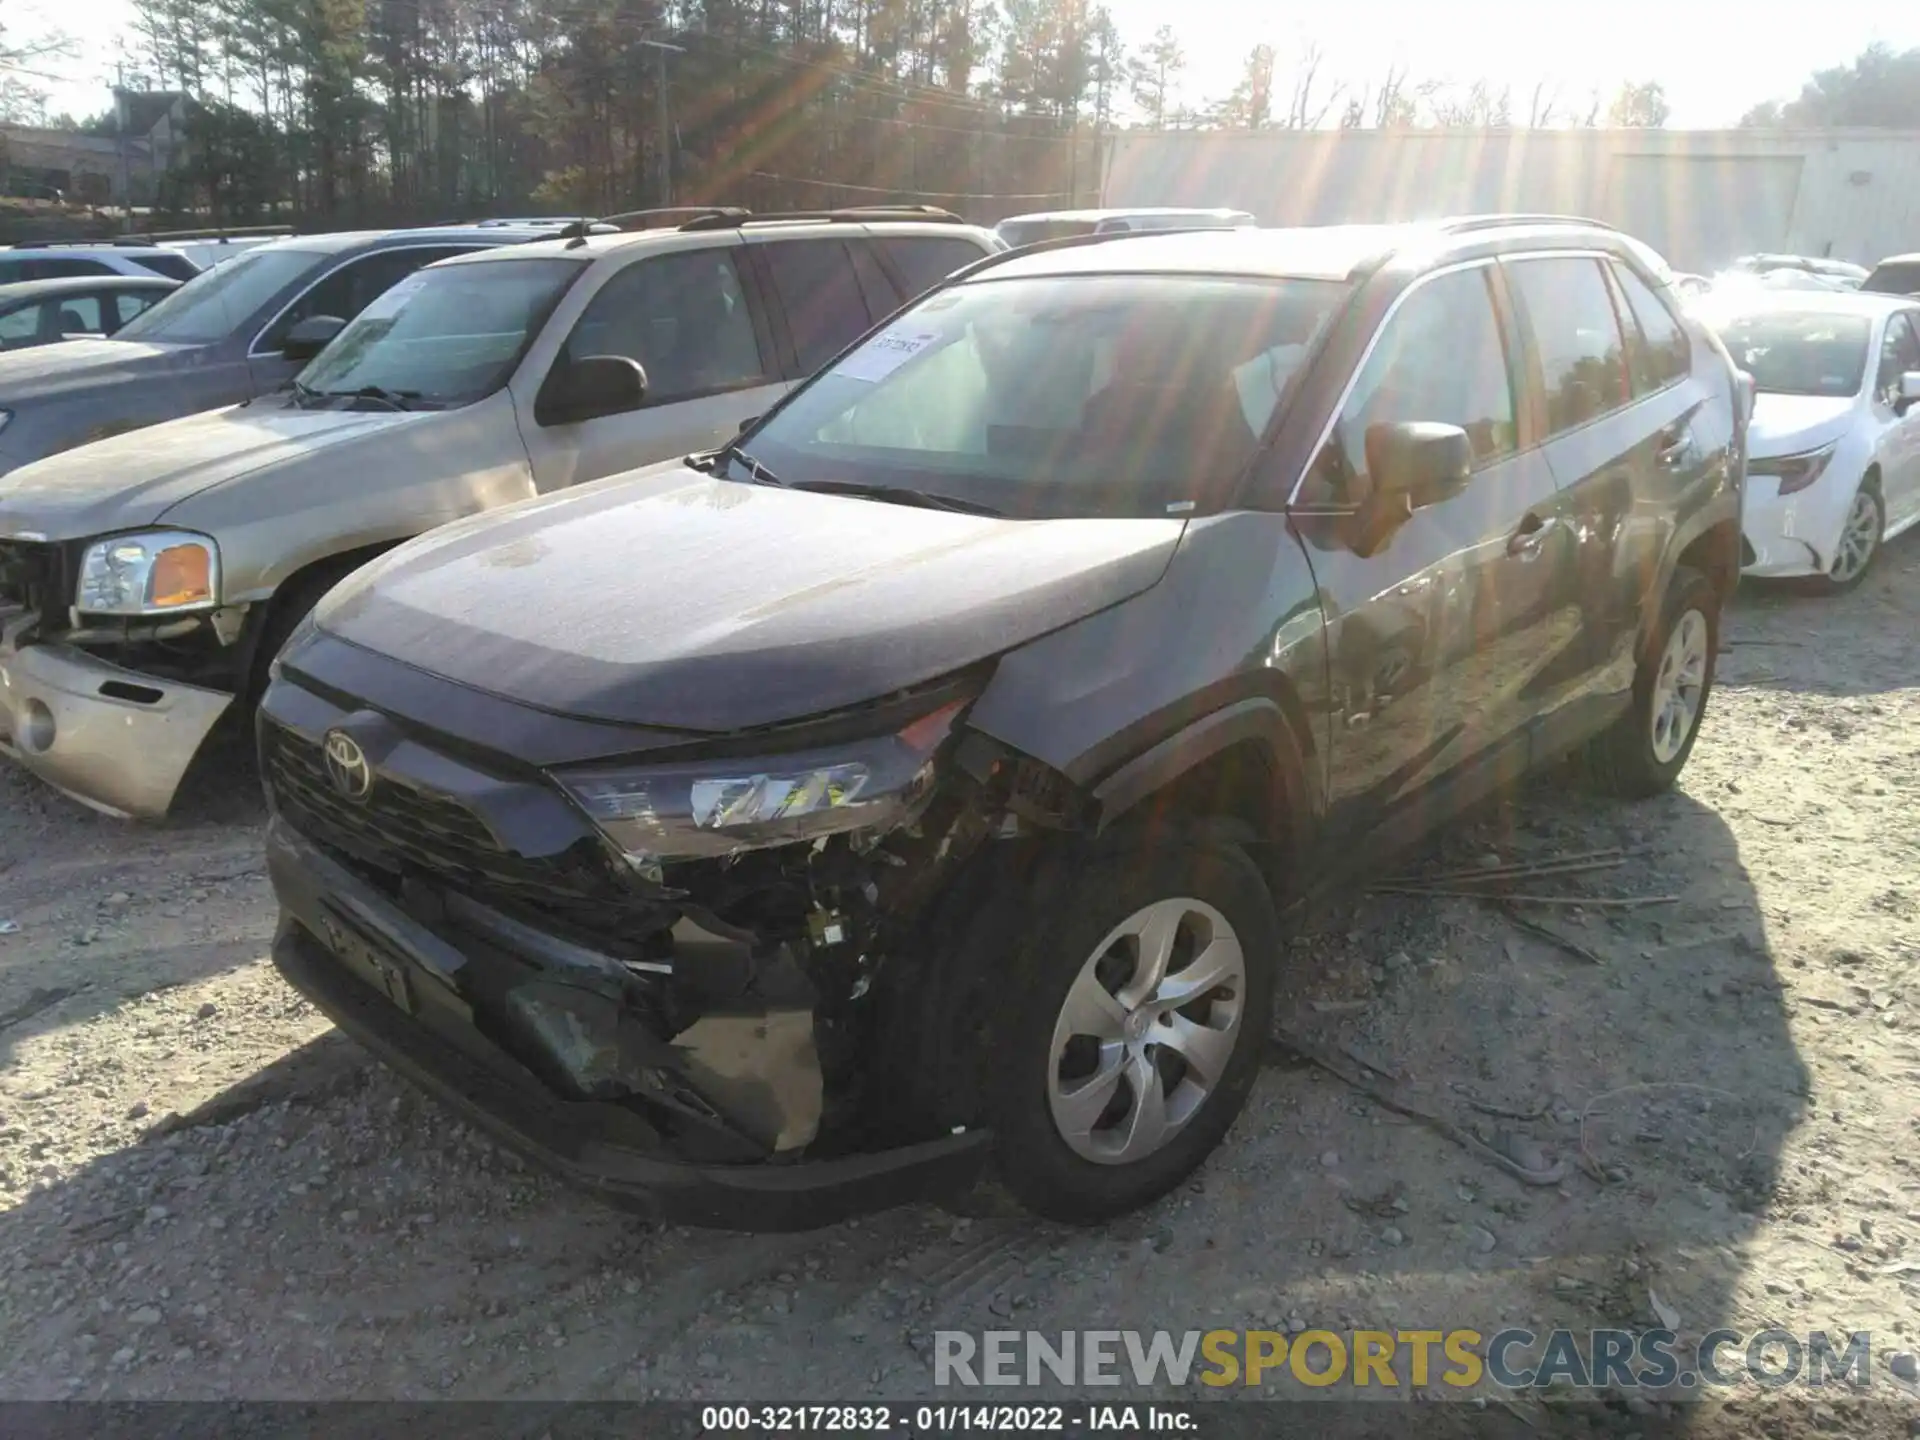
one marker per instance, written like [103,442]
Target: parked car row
[161,569]
[908,769]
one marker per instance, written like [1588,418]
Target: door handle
[1673,451]
[1531,535]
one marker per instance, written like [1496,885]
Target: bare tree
[1303,77]
[1540,108]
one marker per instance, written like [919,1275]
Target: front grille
[33,574]
[400,828]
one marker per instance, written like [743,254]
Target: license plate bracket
[368,959]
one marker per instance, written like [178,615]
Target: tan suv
[147,580]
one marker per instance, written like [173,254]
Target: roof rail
[848,215]
[1460,224]
[106,242]
[233,232]
[576,231]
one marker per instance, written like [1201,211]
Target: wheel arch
[1243,764]
[311,580]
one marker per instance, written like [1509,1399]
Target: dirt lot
[205,1193]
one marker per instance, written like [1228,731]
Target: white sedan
[1833,459]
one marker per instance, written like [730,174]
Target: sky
[1715,58]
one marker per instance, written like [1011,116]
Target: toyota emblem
[347,765]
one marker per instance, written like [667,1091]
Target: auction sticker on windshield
[885,353]
[387,304]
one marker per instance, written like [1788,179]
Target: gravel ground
[205,1193]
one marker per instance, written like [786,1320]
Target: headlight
[154,573]
[1796,472]
[711,809]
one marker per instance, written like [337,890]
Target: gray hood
[46,370]
[670,598]
[135,479]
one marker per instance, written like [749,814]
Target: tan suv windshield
[444,336]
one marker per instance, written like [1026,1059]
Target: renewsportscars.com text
[1513,1359]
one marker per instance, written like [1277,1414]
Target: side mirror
[1907,393]
[590,387]
[1418,459]
[310,336]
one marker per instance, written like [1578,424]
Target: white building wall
[1701,197]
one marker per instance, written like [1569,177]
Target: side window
[1441,358]
[819,291]
[1583,362]
[683,316]
[65,268]
[78,315]
[1899,352]
[354,286]
[132,302]
[923,261]
[1657,345]
[875,288]
[20,328]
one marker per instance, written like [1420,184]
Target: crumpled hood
[1789,424]
[671,598]
[136,478]
[44,370]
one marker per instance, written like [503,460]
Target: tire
[1865,527]
[289,607]
[1639,756]
[1209,901]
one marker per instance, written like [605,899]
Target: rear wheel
[1643,752]
[1132,1026]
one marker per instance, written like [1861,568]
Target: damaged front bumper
[409,994]
[115,739]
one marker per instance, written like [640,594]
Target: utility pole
[661,50]
[123,114]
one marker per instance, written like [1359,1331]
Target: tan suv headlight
[153,572]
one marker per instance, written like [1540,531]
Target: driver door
[1433,616]
[688,319]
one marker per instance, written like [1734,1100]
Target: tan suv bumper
[111,738]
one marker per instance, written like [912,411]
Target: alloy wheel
[1680,685]
[1858,538]
[1147,1030]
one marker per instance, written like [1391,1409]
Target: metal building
[1701,197]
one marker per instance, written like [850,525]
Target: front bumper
[1790,536]
[395,988]
[111,738]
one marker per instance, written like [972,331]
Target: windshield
[1031,232]
[1805,353]
[445,335]
[1896,277]
[1076,395]
[216,302]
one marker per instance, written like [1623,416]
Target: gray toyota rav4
[916,782]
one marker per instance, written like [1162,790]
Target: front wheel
[1133,1027]
[1860,536]
[1643,752]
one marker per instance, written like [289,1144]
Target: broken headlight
[710,809]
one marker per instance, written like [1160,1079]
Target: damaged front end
[110,709]
[675,962]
